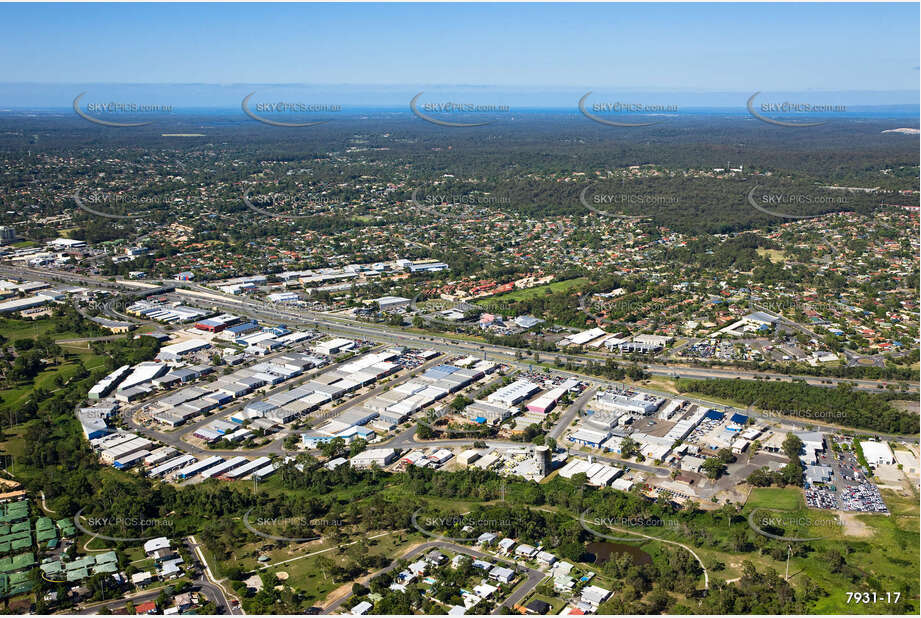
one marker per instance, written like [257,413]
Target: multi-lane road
[341,325]
[345,325]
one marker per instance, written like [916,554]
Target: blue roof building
[440,371]
[242,329]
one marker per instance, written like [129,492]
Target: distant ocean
[358,99]
[869,111]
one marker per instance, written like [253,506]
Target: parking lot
[849,489]
[864,498]
[821,499]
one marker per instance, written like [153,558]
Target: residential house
[502,574]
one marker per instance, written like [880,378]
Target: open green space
[540,290]
[785,498]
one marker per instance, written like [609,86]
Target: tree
[459,403]
[754,448]
[333,448]
[357,446]
[792,446]
[629,447]
[714,467]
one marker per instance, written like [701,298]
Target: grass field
[46,379]
[31,329]
[787,498]
[775,255]
[886,561]
[882,552]
[556,605]
[541,290]
[308,562]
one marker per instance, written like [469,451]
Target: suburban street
[201,584]
[534,577]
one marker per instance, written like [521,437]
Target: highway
[397,336]
[353,327]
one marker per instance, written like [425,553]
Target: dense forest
[522,161]
[840,406]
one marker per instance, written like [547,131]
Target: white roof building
[595,595]
[161,542]
[178,350]
[380,456]
[513,393]
[584,337]
[877,453]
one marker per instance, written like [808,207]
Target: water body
[602,550]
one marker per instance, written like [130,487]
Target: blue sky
[678,47]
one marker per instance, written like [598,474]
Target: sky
[677,47]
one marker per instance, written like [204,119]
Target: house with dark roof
[536,606]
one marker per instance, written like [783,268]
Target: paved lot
[849,489]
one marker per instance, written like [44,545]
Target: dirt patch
[854,527]
[346,588]
[907,405]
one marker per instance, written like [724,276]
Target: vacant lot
[787,498]
[541,290]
